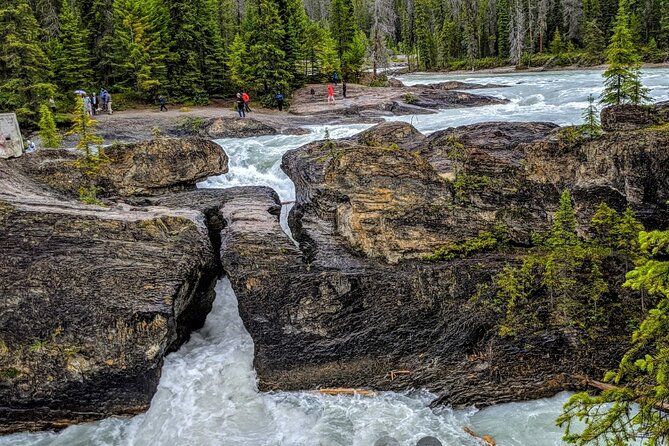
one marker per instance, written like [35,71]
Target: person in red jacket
[245,97]
[331,94]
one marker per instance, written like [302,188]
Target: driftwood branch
[662,406]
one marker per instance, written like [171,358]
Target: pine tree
[72,63]
[628,412]
[563,231]
[296,22]
[342,26]
[623,80]
[556,47]
[663,34]
[268,70]
[139,50]
[185,80]
[48,133]
[320,51]
[354,57]
[425,43]
[236,63]
[213,54]
[591,127]
[24,68]
[593,39]
[503,31]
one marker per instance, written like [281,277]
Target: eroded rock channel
[92,297]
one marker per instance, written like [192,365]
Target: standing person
[103,98]
[343,87]
[335,77]
[87,105]
[52,104]
[94,103]
[331,94]
[313,93]
[109,108]
[240,105]
[246,99]
[279,100]
[162,101]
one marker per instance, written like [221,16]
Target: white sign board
[11,143]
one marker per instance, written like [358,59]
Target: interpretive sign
[11,143]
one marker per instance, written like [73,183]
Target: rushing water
[207,393]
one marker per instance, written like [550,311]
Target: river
[207,394]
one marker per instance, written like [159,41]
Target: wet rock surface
[91,299]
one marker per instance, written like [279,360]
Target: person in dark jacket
[279,100]
[240,106]
[162,101]
[343,87]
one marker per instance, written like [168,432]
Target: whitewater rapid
[207,394]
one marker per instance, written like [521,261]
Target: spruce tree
[237,64]
[354,57]
[24,67]
[214,75]
[503,28]
[49,136]
[295,25]
[591,127]
[268,70]
[139,49]
[623,80]
[342,25]
[72,64]
[663,34]
[185,80]
[593,40]
[556,46]
[632,409]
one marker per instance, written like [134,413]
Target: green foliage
[236,63]
[93,156]
[593,40]
[557,46]
[24,67]
[342,27]
[354,57]
[72,58]
[562,282]
[591,127]
[139,53]
[623,81]
[320,50]
[190,125]
[410,99]
[268,70]
[184,61]
[9,373]
[485,241]
[628,412]
[48,133]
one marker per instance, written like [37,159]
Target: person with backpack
[335,77]
[279,100]
[246,99]
[240,105]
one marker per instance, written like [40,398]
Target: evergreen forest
[193,51]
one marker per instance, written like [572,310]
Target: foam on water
[207,393]
[208,397]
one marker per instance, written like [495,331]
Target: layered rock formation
[143,168]
[357,306]
[92,298]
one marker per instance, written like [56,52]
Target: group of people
[242,103]
[95,103]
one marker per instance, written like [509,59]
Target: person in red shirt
[331,94]
[246,98]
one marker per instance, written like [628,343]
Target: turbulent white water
[208,397]
[207,393]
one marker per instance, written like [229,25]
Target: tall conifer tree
[24,68]
[72,63]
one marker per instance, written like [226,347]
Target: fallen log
[486,439]
[346,391]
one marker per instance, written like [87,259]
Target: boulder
[632,117]
[142,168]
[91,300]
[458,85]
[235,128]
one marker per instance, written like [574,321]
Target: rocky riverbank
[94,297]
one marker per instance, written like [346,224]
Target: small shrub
[410,99]
[89,195]
[185,109]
